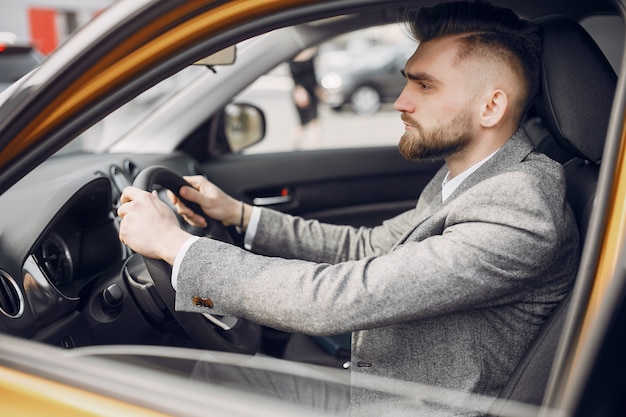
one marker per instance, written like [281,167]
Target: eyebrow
[420,76]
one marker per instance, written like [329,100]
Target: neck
[477,150]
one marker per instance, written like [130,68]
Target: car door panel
[359,186]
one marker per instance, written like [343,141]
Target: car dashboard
[62,265]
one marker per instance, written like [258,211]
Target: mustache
[408,121]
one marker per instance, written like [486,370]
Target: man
[449,294]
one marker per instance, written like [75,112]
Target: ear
[494,108]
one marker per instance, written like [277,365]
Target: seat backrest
[577,88]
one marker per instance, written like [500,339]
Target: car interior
[67,281]
[578,122]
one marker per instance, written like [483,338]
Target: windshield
[110,129]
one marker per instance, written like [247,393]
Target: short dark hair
[488,27]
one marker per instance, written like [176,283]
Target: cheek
[451,107]
[433,109]
[433,113]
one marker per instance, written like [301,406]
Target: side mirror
[244,125]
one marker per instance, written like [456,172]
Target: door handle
[270,201]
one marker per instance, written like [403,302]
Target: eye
[424,86]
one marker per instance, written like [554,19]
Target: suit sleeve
[488,247]
[292,237]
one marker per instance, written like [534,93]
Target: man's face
[436,104]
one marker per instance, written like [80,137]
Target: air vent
[131,168]
[11,297]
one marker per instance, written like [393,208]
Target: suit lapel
[429,203]
[515,150]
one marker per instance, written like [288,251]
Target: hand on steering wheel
[213,202]
[208,332]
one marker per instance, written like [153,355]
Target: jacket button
[202,302]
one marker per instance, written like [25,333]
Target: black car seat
[577,88]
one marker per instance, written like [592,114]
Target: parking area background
[272,93]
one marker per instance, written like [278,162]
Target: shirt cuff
[253,224]
[179,259]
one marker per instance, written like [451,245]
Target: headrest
[577,88]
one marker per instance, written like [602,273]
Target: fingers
[212,200]
[173,197]
[200,191]
[148,225]
[194,219]
[192,194]
[197,181]
[190,216]
[131,193]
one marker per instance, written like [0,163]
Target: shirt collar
[448,186]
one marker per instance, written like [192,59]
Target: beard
[437,143]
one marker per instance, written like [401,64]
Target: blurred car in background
[366,79]
[16,59]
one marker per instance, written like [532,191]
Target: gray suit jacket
[448,294]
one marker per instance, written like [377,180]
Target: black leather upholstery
[582,178]
[528,383]
[577,90]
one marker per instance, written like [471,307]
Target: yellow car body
[100,65]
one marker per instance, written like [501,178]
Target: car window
[16,62]
[357,80]
[603,30]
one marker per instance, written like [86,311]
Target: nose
[403,104]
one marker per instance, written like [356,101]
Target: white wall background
[14,14]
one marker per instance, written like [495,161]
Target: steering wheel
[210,332]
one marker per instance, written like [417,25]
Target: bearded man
[448,294]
